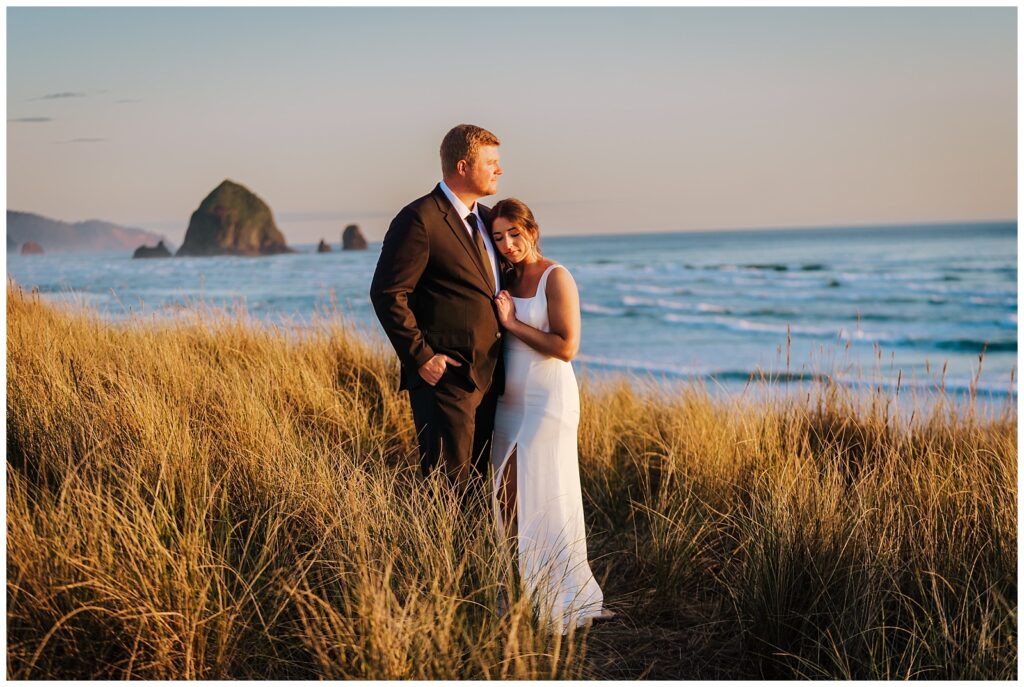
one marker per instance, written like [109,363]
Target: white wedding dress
[538,416]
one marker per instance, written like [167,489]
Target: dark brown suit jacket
[432,295]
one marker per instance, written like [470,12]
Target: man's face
[482,174]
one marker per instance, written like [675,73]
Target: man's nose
[499,171]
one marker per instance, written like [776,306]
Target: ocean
[881,305]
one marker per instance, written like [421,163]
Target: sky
[611,119]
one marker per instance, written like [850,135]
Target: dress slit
[499,478]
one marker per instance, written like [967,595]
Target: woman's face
[511,240]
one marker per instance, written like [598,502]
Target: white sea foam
[647,288]
[739,324]
[642,365]
[656,303]
[597,309]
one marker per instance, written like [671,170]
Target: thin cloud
[128,100]
[83,140]
[31,120]
[64,94]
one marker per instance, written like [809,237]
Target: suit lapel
[457,226]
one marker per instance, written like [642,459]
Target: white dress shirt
[461,208]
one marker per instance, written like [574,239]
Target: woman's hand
[506,308]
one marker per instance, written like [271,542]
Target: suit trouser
[454,427]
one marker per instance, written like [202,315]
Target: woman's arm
[563,341]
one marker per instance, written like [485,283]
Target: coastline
[908,393]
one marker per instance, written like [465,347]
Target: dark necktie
[485,260]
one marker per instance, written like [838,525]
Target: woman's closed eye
[498,238]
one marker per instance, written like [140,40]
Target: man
[433,292]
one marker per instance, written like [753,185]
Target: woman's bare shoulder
[560,281]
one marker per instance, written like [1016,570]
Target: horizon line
[645,232]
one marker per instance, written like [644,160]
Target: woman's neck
[521,266]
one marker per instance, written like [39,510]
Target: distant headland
[55,236]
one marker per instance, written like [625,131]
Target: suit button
[497,335]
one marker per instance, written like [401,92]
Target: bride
[536,490]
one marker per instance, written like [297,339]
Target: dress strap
[543,284]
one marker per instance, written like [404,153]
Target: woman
[537,495]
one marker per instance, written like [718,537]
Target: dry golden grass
[209,499]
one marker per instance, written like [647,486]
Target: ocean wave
[860,295]
[764,267]
[672,304]
[958,385]
[641,365]
[607,267]
[744,325]
[653,288]
[938,290]
[975,346]
[632,302]
[598,309]
[985,300]
[843,333]
[733,299]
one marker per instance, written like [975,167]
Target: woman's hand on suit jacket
[506,308]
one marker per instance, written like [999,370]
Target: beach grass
[206,498]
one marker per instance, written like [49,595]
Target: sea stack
[353,239]
[232,221]
[31,248]
[157,251]
[323,247]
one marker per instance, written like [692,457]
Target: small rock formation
[232,221]
[323,247]
[353,239]
[158,251]
[31,248]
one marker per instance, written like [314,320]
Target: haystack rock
[232,221]
[157,251]
[353,239]
[31,248]
[323,247]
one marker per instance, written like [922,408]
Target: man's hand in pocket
[432,370]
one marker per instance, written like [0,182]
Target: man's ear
[461,166]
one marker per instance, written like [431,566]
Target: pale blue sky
[611,119]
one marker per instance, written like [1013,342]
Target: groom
[433,292]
